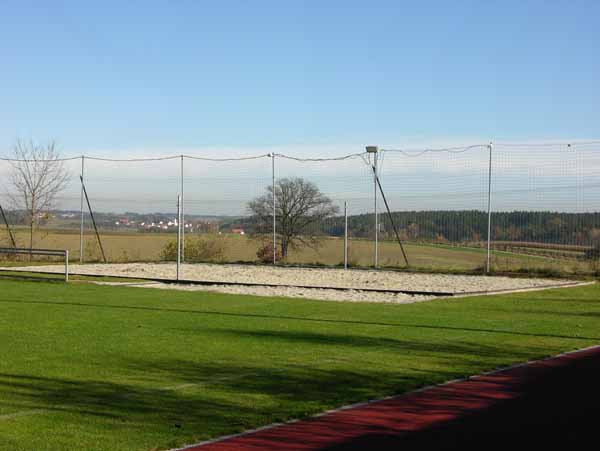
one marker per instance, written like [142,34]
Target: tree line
[463,226]
[471,226]
[303,213]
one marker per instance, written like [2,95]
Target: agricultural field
[132,246]
[96,367]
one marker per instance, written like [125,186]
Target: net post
[345,235]
[376,215]
[182,216]
[66,265]
[489,207]
[374,150]
[81,212]
[274,206]
[178,234]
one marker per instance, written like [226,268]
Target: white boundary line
[522,290]
[366,403]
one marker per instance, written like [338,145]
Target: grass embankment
[120,368]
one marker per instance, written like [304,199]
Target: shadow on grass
[203,400]
[561,313]
[224,394]
[444,349]
[206,399]
[298,318]
[12,276]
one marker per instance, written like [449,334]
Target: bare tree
[299,206]
[37,176]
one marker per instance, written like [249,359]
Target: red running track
[548,403]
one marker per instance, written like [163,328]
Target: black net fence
[431,210]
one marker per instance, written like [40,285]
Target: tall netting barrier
[438,201]
[220,225]
[132,211]
[433,209]
[546,207]
[311,197]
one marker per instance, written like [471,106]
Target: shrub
[265,253]
[196,249]
[593,257]
[593,253]
[92,251]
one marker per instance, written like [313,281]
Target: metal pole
[375,207]
[178,234]
[274,205]
[387,206]
[345,235]
[93,220]
[182,216]
[10,234]
[81,214]
[489,225]
[66,265]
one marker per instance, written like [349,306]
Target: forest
[464,226]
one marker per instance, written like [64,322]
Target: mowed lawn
[89,367]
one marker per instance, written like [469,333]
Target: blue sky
[136,77]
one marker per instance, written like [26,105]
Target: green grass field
[119,368]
